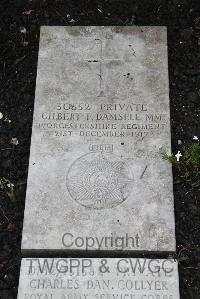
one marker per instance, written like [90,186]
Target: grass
[189,164]
[7,188]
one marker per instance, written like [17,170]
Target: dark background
[18,65]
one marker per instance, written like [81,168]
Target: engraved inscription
[103,278]
[101,148]
[102,120]
[99,180]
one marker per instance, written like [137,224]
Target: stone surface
[98,279]
[96,178]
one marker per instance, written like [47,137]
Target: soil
[18,65]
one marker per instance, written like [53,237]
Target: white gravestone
[98,279]
[96,178]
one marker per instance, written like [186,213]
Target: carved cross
[101,60]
